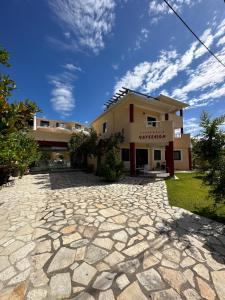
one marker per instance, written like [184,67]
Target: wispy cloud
[158,8]
[62,97]
[206,79]
[192,126]
[115,66]
[142,38]
[72,67]
[87,23]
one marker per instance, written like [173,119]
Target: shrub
[113,166]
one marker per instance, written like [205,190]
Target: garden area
[190,192]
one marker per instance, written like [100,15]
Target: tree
[209,150]
[15,118]
[113,166]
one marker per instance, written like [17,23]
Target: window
[61,125]
[44,123]
[177,155]
[77,126]
[125,154]
[157,154]
[151,121]
[104,127]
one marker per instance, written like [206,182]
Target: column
[131,113]
[181,115]
[132,160]
[169,159]
[190,158]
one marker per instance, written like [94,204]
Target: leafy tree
[209,151]
[16,148]
[113,166]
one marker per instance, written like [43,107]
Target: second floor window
[44,123]
[77,126]
[61,125]
[151,121]
[104,127]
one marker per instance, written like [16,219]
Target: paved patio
[70,236]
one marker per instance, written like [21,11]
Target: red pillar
[190,158]
[132,160]
[169,159]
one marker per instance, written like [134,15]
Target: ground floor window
[157,154]
[177,155]
[125,154]
[141,158]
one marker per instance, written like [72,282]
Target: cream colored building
[153,131]
[53,137]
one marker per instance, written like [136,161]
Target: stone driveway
[70,236]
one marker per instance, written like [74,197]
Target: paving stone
[129,266]
[187,262]
[191,294]
[39,278]
[169,294]
[218,278]
[120,246]
[122,281]
[80,253]
[20,277]
[189,275]
[101,266]
[56,244]
[132,292]
[145,220]
[107,295]
[205,290]
[202,271]
[36,294]
[7,273]
[104,281]
[63,258]
[23,264]
[175,278]
[68,229]
[136,249]
[60,286]
[39,232]
[12,247]
[120,236]
[4,262]
[151,280]
[172,254]
[169,264]
[114,258]
[108,226]
[106,243]
[15,293]
[89,232]
[109,212]
[84,296]
[84,273]
[79,243]
[78,289]
[149,260]
[67,239]
[40,260]
[44,246]
[95,254]
[120,219]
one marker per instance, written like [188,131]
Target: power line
[189,28]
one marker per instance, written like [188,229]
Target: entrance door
[141,158]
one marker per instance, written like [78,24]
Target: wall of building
[182,144]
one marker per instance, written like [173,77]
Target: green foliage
[18,151]
[113,166]
[209,154]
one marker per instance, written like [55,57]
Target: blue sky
[70,56]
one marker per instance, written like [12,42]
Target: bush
[112,168]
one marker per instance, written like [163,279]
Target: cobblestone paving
[70,236]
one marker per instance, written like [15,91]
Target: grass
[191,193]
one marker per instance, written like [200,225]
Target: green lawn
[189,192]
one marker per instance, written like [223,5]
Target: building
[153,132]
[53,137]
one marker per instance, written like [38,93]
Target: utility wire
[189,28]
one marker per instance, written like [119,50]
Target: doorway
[141,158]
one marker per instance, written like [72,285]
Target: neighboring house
[53,137]
[153,131]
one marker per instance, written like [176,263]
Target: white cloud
[158,8]
[62,99]
[142,38]
[203,79]
[192,126]
[72,67]
[88,21]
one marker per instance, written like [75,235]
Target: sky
[71,56]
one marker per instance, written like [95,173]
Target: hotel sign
[157,135]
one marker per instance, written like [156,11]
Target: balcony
[159,133]
[177,121]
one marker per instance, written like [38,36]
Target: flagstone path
[70,236]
